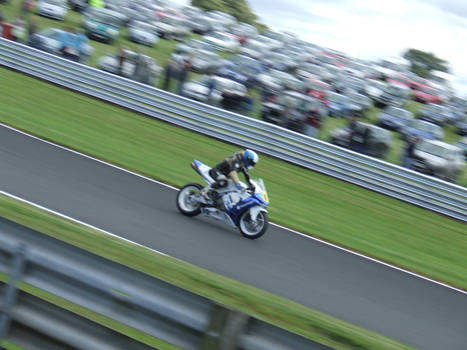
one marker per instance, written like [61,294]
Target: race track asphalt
[414,311]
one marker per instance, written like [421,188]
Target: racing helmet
[250,158]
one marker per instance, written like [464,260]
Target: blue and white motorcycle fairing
[243,209]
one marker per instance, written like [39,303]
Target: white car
[56,9]
[198,89]
[204,61]
[374,88]
[255,49]
[275,80]
[223,41]
[439,159]
[142,33]
[169,27]
[308,70]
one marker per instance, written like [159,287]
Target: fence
[117,292]
[392,180]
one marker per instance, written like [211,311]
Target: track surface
[412,310]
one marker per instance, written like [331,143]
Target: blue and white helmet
[250,158]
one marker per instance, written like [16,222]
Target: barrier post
[11,293]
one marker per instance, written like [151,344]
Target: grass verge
[376,225]
[10,346]
[269,307]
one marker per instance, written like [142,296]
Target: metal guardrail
[127,296]
[389,179]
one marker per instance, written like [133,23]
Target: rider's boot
[219,203]
[209,194]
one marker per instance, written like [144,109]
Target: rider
[229,168]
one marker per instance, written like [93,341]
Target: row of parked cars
[284,68]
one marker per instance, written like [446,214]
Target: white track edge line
[64,216]
[175,188]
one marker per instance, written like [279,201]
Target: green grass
[376,225]
[10,346]
[269,307]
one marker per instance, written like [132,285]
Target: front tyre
[187,199]
[253,229]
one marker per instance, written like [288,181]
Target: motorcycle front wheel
[187,199]
[253,229]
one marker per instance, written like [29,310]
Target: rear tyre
[187,199]
[253,229]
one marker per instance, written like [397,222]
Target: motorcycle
[244,209]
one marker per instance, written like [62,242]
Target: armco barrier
[389,179]
[117,292]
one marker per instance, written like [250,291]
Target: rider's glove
[239,186]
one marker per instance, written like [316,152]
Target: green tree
[209,5]
[422,63]
[240,9]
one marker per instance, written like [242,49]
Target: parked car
[222,41]
[439,159]
[136,13]
[142,33]
[395,118]
[103,24]
[366,138]
[55,9]
[278,80]
[461,125]
[244,72]
[374,89]
[335,74]
[271,43]
[394,94]
[202,25]
[48,40]
[317,89]
[188,46]
[310,70]
[169,27]
[340,105]
[349,84]
[204,61]
[455,112]
[416,82]
[462,144]
[79,5]
[254,49]
[427,94]
[400,79]
[289,110]
[422,130]
[110,63]
[243,31]
[192,12]
[279,61]
[363,102]
[435,113]
[198,89]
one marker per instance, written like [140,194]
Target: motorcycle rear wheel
[186,202]
[253,229]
